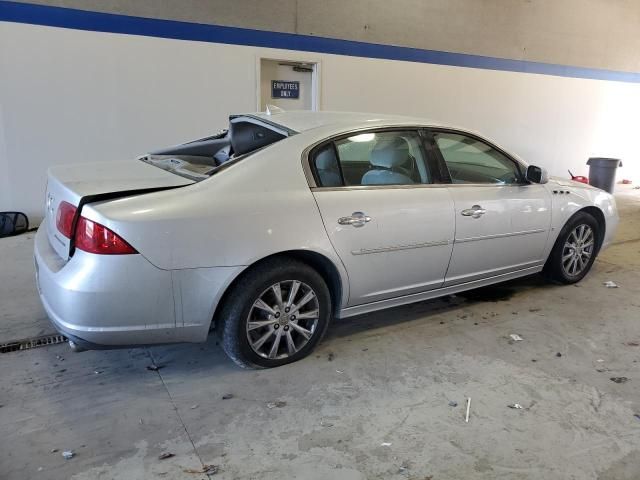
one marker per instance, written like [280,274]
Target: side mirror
[536,174]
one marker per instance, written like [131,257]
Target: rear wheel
[275,314]
[575,249]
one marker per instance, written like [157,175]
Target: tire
[277,325]
[563,269]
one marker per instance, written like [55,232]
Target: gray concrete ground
[373,402]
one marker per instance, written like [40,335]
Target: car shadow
[431,308]
[209,357]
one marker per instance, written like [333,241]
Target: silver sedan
[271,228]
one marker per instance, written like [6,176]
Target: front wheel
[575,249]
[275,314]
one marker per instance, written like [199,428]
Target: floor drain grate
[30,343]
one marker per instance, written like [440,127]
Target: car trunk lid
[84,183]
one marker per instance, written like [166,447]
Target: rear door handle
[357,219]
[474,212]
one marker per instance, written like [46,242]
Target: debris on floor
[330,356]
[515,337]
[466,419]
[515,406]
[206,469]
[453,403]
[385,444]
[610,284]
[325,424]
[53,450]
[637,415]
[558,354]
[619,379]
[227,396]
[278,404]
[154,368]
[165,455]
[68,454]
[633,344]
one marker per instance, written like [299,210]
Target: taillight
[64,218]
[95,238]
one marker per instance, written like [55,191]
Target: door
[502,222]
[287,84]
[390,225]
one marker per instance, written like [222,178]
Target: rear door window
[372,158]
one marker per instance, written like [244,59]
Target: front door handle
[357,219]
[474,212]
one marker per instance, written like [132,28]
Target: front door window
[471,161]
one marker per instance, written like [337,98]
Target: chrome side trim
[395,248]
[378,187]
[499,235]
[499,185]
[439,292]
[415,185]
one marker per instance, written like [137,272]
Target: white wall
[72,96]
[5,193]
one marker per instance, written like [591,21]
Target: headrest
[247,137]
[326,160]
[390,154]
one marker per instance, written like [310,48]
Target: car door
[391,226]
[502,221]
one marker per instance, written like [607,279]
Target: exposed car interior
[199,159]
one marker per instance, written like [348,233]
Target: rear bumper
[105,300]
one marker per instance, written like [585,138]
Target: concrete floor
[372,403]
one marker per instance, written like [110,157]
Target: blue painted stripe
[149,27]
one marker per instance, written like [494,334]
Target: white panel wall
[5,198]
[71,96]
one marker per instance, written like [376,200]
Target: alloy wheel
[578,250]
[283,319]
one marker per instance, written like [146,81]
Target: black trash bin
[602,172]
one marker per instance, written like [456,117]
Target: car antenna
[272,110]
